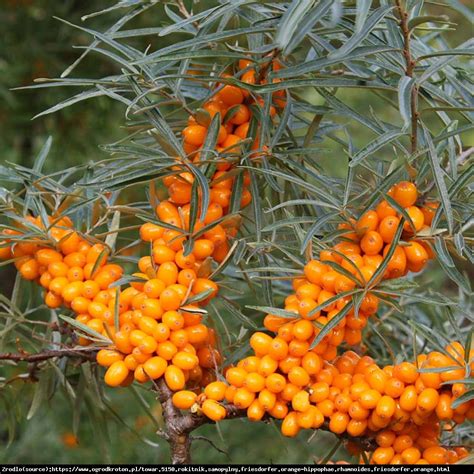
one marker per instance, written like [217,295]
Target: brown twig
[184,11]
[179,426]
[409,71]
[87,354]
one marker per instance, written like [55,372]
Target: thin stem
[87,354]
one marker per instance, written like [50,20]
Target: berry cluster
[399,406]
[352,263]
[160,329]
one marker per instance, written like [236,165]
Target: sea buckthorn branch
[86,353]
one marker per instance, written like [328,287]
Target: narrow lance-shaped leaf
[405,87]
[290,22]
[365,30]
[374,146]
[439,179]
[362,10]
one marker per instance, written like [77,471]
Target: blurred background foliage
[36,45]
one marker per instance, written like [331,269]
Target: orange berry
[383,455]
[47,256]
[243,398]
[370,398]
[230,95]
[203,248]
[429,211]
[314,271]
[116,374]
[216,391]
[410,455]
[213,410]
[371,243]
[416,217]
[384,209]
[416,253]
[107,357]
[338,422]
[405,194]
[406,372]
[275,383]
[427,400]
[184,399]
[408,399]
[174,378]
[298,376]
[236,376]
[185,360]
[195,134]
[388,227]
[290,426]
[436,455]
[367,222]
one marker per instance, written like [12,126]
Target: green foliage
[345,136]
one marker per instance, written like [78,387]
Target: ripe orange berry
[195,134]
[406,372]
[203,248]
[408,399]
[162,254]
[338,422]
[170,299]
[429,211]
[166,350]
[254,382]
[367,222]
[213,410]
[298,376]
[416,217]
[260,343]
[410,455]
[267,365]
[436,455]
[383,455]
[47,256]
[185,261]
[202,285]
[275,383]
[150,232]
[290,426]
[405,194]
[370,398]
[216,391]
[416,253]
[243,398]
[371,243]
[236,376]
[230,95]
[185,360]
[107,357]
[184,399]
[427,400]
[116,374]
[402,442]
[278,349]
[174,378]
[30,269]
[384,210]
[255,411]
